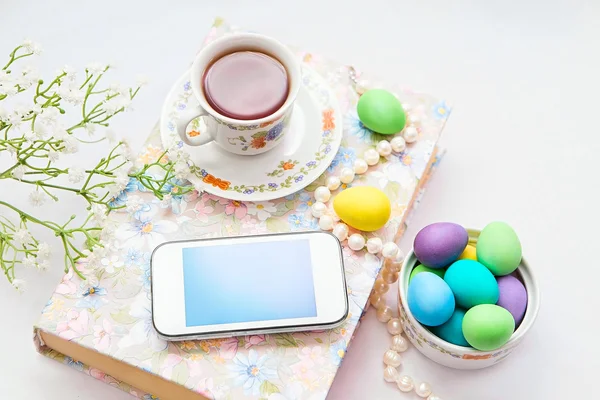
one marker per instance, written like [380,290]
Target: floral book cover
[108,317]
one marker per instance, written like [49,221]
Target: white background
[524,79]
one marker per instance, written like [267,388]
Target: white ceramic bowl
[459,357]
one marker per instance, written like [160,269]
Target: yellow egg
[363,207]
[469,253]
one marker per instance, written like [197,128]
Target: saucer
[306,150]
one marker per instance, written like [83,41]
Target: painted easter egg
[430,299]
[363,207]
[488,327]
[513,296]
[472,283]
[451,330]
[380,111]
[499,248]
[439,244]
[469,253]
[421,268]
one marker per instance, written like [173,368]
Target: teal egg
[451,330]
[472,283]
[499,248]
[381,112]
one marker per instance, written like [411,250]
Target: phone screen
[248,282]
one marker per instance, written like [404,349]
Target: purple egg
[513,297]
[438,245]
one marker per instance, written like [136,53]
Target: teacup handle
[196,138]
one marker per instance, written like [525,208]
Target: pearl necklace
[394,257]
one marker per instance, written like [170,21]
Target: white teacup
[244,137]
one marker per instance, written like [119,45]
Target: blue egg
[451,330]
[472,283]
[430,299]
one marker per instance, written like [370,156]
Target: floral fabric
[111,314]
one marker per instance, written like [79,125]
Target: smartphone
[234,286]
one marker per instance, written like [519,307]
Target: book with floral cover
[103,326]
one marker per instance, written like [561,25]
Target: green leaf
[180,373]
[277,225]
[123,317]
[267,388]
[259,134]
[285,340]
[318,340]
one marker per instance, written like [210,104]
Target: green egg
[381,112]
[499,248]
[488,327]
[421,268]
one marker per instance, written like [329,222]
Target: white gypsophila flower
[181,170]
[36,109]
[166,201]
[121,180]
[141,80]
[71,145]
[10,90]
[24,83]
[71,95]
[60,133]
[28,69]
[31,136]
[19,171]
[126,148]
[49,115]
[29,261]
[70,72]
[95,68]
[111,107]
[110,136]
[116,89]
[53,155]
[37,198]
[22,237]
[3,114]
[44,251]
[43,265]
[133,204]
[32,47]
[5,77]
[125,103]
[90,128]
[75,174]
[19,285]
[99,212]
[15,119]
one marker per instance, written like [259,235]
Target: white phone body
[248,285]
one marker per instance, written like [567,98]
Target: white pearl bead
[318,209]
[362,86]
[380,286]
[392,358]
[377,300]
[333,182]
[360,166]
[398,144]
[414,119]
[434,397]
[347,175]
[356,242]
[399,343]
[389,276]
[326,222]
[384,314]
[371,156]
[341,231]
[384,148]
[322,194]
[423,389]
[394,327]
[374,245]
[391,374]
[405,383]
[390,250]
[410,134]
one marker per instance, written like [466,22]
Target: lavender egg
[440,244]
[513,296]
